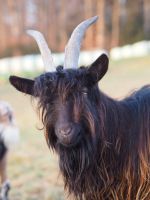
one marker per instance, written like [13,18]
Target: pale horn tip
[93,19]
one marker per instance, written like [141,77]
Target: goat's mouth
[70,142]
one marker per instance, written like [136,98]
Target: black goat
[103,144]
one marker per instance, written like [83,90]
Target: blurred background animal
[9,136]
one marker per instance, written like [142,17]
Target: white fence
[31,63]
[129,51]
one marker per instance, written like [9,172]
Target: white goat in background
[9,136]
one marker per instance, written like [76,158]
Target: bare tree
[3,32]
[52,25]
[62,18]
[100,39]
[146,6]
[88,12]
[115,23]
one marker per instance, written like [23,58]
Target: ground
[33,168]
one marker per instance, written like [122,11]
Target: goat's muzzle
[68,134]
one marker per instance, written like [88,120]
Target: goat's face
[66,99]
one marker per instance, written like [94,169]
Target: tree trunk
[115,24]
[52,25]
[88,41]
[100,38]
[3,31]
[62,18]
[146,7]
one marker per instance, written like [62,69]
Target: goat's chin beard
[75,163]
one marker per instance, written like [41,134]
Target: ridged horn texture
[72,49]
[45,51]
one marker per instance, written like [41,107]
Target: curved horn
[45,51]
[72,49]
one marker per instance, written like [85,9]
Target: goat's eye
[84,91]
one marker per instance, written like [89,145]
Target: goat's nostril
[65,131]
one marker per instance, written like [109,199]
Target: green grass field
[33,168]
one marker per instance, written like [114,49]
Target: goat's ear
[22,84]
[98,68]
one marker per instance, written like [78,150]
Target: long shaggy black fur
[105,155]
[112,159]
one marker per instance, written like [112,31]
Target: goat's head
[66,94]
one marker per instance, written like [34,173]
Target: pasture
[33,168]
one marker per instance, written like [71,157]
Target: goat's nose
[65,130]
